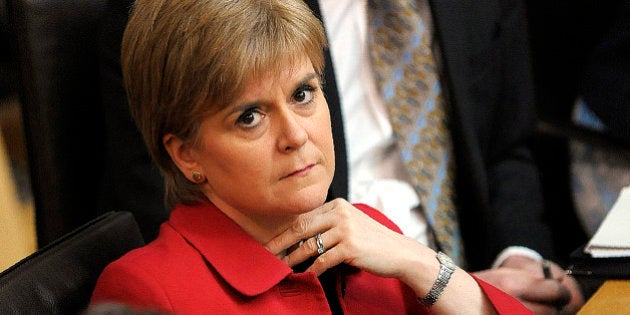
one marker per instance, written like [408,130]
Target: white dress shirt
[377,176]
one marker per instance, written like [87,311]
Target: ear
[181,154]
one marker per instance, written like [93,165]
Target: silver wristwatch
[447,267]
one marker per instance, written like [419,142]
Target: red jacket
[203,263]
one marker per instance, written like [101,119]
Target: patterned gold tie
[406,75]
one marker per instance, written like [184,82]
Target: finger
[324,262]
[550,292]
[302,229]
[306,250]
[540,309]
[332,257]
[310,248]
[305,226]
[552,270]
[577,298]
[287,239]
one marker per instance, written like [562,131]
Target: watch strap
[447,267]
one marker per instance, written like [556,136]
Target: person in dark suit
[486,75]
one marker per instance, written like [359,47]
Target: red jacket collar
[243,262]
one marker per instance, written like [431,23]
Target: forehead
[290,68]
[290,71]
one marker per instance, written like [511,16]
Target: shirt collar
[241,260]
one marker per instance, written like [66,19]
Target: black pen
[546,268]
[578,272]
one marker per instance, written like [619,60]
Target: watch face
[447,261]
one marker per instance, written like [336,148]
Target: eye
[304,94]
[250,118]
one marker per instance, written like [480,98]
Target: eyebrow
[308,78]
[241,107]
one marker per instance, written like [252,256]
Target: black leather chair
[59,278]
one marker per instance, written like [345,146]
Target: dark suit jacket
[487,77]
[485,55]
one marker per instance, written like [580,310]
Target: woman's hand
[349,236]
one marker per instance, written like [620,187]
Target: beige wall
[17,219]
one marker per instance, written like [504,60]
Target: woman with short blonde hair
[228,96]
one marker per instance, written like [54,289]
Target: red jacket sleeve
[503,303]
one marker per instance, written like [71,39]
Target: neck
[261,227]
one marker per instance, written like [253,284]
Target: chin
[305,200]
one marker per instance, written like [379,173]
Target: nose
[292,131]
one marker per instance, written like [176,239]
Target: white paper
[612,238]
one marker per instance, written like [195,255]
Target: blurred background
[17,219]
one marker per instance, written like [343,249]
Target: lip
[300,172]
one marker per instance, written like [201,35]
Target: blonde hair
[183,59]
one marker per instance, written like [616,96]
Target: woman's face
[269,153]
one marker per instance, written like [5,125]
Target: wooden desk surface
[613,297]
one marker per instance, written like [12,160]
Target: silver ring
[320,243]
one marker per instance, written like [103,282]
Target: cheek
[325,142]
[225,158]
[330,155]
[236,175]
